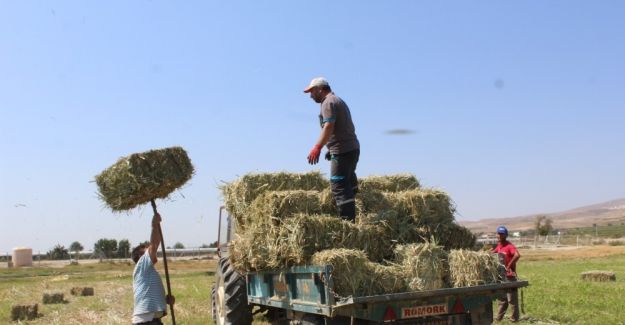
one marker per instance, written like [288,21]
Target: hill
[602,214]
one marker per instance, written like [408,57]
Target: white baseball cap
[319,81]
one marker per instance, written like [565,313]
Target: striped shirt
[147,287]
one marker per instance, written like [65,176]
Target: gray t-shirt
[343,139]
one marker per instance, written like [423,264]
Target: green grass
[605,231]
[557,293]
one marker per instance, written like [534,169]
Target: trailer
[304,295]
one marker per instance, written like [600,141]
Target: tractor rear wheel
[230,305]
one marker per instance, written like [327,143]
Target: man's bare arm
[155,238]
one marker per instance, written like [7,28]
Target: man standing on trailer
[510,256]
[339,135]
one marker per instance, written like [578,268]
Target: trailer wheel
[230,297]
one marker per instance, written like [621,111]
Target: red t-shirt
[508,249]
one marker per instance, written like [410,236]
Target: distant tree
[214,244]
[178,245]
[76,247]
[123,249]
[105,247]
[543,225]
[59,252]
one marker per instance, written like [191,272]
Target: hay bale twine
[140,177]
[424,265]
[82,291]
[239,194]
[53,298]
[599,276]
[22,256]
[470,268]
[24,312]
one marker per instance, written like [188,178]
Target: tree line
[103,248]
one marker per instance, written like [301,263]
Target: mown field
[557,295]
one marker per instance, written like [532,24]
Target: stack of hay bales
[286,219]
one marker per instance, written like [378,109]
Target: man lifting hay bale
[138,179]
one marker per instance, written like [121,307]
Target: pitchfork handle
[160,232]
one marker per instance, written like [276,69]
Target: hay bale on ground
[82,291]
[599,276]
[24,312]
[425,206]
[239,194]
[470,268]
[388,183]
[424,265]
[53,298]
[140,177]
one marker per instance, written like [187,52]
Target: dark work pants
[344,182]
[512,299]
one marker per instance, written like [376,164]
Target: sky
[515,107]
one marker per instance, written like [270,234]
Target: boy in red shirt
[510,256]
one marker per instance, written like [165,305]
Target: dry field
[112,282]
[556,294]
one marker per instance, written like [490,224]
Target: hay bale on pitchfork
[144,177]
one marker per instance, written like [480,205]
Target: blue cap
[502,230]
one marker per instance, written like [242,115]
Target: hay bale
[296,239]
[82,291]
[423,265]
[350,272]
[386,279]
[401,229]
[387,183]
[274,206]
[304,235]
[24,312]
[354,275]
[599,276]
[239,194]
[425,206]
[470,268]
[451,235]
[53,298]
[140,177]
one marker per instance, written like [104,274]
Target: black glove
[328,156]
